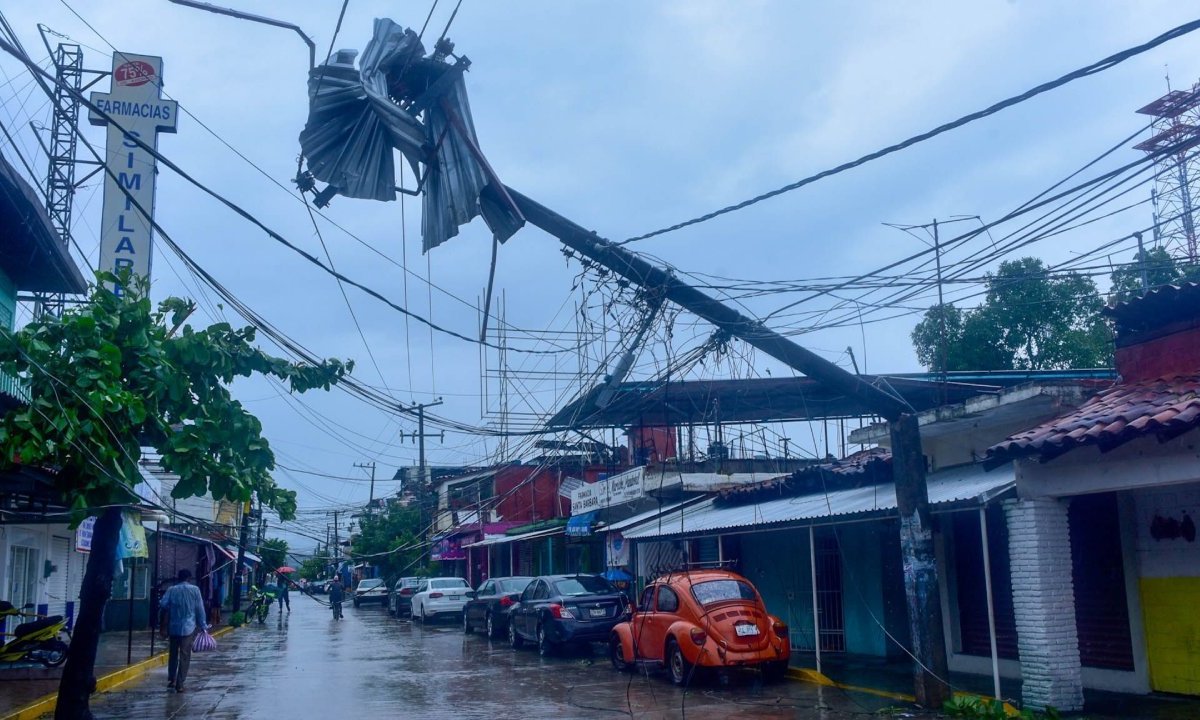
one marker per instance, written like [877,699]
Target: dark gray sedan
[487,608]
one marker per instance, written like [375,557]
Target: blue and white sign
[83,534]
[138,110]
[616,490]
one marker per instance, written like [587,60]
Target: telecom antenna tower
[60,180]
[1174,132]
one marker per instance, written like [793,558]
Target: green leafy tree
[314,568]
[113,375]
[1029,320]
[1160,269]
[391,540]
[273,553]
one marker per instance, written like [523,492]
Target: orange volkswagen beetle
[701,619]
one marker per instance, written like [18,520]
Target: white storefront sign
[138,111]
[83,534]
[616,490]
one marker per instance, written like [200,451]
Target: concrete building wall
[1168,584]
[55,592]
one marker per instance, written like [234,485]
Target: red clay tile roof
[855,465]
[1166,407]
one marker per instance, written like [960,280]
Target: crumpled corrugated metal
[354,126]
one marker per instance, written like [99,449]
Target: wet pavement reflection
[306,665]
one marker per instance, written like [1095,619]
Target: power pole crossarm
[369,466]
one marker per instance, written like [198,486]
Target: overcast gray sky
[624,116]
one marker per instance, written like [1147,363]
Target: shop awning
[249,558]
[502,539]
[581,525]
[184,537]
[968,484]
[648,515]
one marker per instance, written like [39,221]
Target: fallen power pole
[908,461]
[426,94]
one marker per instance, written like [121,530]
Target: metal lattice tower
[1174,133]
[60,180]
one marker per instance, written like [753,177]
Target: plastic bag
[204,642]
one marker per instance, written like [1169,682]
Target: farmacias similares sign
[138,110]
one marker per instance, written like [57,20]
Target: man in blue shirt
[184,607]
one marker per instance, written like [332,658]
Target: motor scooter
[45,639]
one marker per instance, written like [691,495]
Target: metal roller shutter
[58,584]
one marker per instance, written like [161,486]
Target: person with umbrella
[283,588]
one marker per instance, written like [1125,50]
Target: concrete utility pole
[241,558]
[420,437]
[420,433]
[371,466]
[908,462]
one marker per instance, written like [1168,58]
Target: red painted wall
[1175,354]
[530,492]
[655,444]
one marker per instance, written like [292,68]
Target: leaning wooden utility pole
[908,461]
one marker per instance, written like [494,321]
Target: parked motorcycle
[44,639]
[260,604]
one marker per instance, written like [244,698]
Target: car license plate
[745,630]
[597,612]
[454,597]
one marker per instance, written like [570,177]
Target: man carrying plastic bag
[184,607]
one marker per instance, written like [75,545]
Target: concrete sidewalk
[22,684]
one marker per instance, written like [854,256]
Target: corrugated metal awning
[968,482]
[648,515]
[501,539]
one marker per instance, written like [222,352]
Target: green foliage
[386,532]
[115,374]
[238,619]
[273,553]
[1029,320]
[313,568]
[975,707]
[1160,269]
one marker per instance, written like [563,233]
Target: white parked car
[439,596]
[370,590]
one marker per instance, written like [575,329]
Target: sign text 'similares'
[137,110]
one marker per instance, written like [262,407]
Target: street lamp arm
[312,47]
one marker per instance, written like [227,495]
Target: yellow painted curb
[107,683]
[812,676]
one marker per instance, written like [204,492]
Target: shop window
[141,582]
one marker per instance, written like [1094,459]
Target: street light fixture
[312,47]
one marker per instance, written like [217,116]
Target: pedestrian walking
[283,595]
[336,596]
[183,607]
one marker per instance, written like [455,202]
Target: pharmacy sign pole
[135,104]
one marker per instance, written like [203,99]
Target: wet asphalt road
[372,666]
